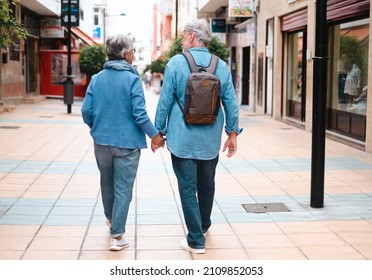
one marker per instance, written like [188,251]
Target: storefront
[294,28]
[348,67]
[54,73]
[293,23]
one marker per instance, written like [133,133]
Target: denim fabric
[196,186]
[118,170]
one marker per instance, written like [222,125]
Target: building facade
[271,59]
[24,67]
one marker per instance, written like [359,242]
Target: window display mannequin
[343,67]
[352,83]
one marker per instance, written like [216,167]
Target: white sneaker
[186,247]
[117,245]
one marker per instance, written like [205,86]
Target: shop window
[348,88]
[295,78]
[59,69]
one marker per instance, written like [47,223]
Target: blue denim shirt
[194,141]
[114,107]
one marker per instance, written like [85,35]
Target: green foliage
[176,48]
[9,24]
[158,65]
[91,59]
[356,52]
[216,47]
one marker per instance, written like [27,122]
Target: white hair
[201,29]
[117,45]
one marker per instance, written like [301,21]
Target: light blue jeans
[118,169]
[196,186]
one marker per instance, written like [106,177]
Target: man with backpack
[194,146]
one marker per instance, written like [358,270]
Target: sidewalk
[50,205]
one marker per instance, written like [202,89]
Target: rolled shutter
[295,21]
[343,9]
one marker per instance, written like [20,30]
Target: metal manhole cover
[265,207]
[8,127]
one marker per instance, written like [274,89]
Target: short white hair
[201,29]
[117,45]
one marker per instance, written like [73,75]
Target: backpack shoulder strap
[191,62]
[213,64]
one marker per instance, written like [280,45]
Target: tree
[215,46]
[9,24]
[91,59]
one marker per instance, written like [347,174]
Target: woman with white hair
[114,109]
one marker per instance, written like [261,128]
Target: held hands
[232,144]
[157,141]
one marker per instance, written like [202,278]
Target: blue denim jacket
[194,141]
[114,107]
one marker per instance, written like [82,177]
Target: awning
[83,36]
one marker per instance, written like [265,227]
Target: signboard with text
[218,25]
[51,28]
[73,6]
[241,8]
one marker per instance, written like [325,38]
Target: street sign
[74,12]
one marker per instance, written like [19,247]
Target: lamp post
[319,106]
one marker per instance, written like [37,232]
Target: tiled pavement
[50,205]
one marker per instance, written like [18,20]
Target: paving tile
[163,255]
[50,255]
[313,239]
[222,254]
[276,254]
[56,244]
[61,231]
[22,219]
[14,243]
[160,230]
[158,243]
[107,255]
[51,208]
[254,241]
[11,255]
[67,220]
[329,252]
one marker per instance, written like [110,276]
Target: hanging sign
[73,5]
[51,28]
[241,8]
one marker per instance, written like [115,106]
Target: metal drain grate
[8,127]
[265,207]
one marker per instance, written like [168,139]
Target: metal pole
[69,68]
[319,106]
[176,18]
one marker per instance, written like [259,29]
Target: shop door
[269,67]
[246,69]
[31,65]
[233,67]
[296,80]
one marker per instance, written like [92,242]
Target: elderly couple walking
[115,111]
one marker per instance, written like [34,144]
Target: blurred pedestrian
[195,148]
[114,109]
[147,79]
